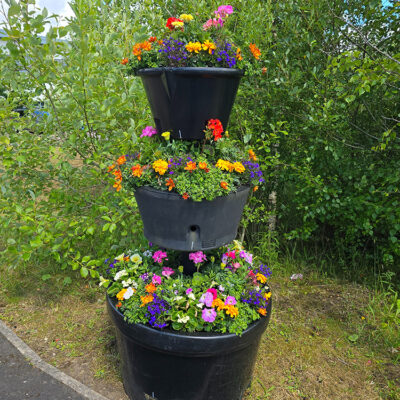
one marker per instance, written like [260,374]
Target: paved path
[24,375]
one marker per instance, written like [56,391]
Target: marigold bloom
[111,167]
[117,185]
[193,47]
[170,184]
[203,165]
[224,165]
[160,166]
[261,278]
[137,170]
[239,54]
[190,166]
[171,23]
[262,311]
[232,311]
[219,304]
[146,299]
[185,196]
[125,61]
[224,185]
[239,167]
[208,46]
[255,51]
[255,188]
[186,17]
[137,51]
[118,174]
[177,24]
[150,288]
[121,160]
[145,45]
[252,155]
[120,294]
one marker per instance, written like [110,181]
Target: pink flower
[167,271]
[197,257]
[247,256]
[156,279]
[224,11]
[148,131]
[159,255]
[236,265]
[207,299]
[209,315]
[230,300]
[217,23]
[188,291]
[231,254]
[213,292]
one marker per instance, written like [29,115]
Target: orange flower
[231,310]
[264,70]
[261,278]
[146,299]
[255,51]
[117,185]
[255,188]
[252,155]
[152,39]
[239,54]
[239,167]
[262,311]
[137,170]
[185,196]
[160,42]
[137,51]
[110,168]
[118,305]
[160,166]
[219,304]
[118,175]
[203,165]
[125,61]
[126,258]
[150,288]
[190,166]
[145,45]
[121,160]
[224,185]
[170,183]
[120,294]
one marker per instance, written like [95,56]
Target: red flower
[185,196]
[213,292]
[170,21]
[124,61]
[216,127]
[152,39]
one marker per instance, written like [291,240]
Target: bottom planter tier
[164,365]
[174,223]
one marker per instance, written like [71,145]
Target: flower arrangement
[215,167]
[149,287]
[186,42]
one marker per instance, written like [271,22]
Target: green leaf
[67,281]
[46,277]
[84,272]
[353,338]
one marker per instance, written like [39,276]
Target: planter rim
[198,344]
[178,196]
[234,72]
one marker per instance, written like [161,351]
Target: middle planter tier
[182,100]
[174,223]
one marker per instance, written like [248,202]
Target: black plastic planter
[182,100]
[163,365]
[174,223]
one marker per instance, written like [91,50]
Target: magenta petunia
[207,299]
[159,256]
[213,292]
[209,314]
[197,257]
[156,279]
[188,291]
[148,131]
[167,271]
[230,300]
[224,11]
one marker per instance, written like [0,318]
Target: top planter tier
[182,100]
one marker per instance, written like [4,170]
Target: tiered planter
[163,364]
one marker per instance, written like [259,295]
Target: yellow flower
[146,299]
[224,165]
[177,24]
[120,295]
[267,296]
[223,265]
[186,17]
[210,46]
[261,278]
[231,310]
[166,135]
[160,166]
[193,47]
[239,167]
[219,304]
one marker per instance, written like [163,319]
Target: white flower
[192,296]
[177,298]
[183,320]
[120,274]
[120,257]
[103,281]
[129,282]
[200,305]
[136,259]
[128,293]
[221,288]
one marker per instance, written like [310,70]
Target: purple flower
[188,291]
[148,131]
[144,277]
[230,300]
[209,314]
[207,299]
[159,255]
